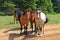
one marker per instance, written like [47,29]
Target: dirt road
[51,32]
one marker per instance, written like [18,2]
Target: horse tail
[46,20]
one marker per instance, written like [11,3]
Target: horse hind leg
[43,29]
[16,21]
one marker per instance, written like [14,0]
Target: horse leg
[25,30]
[41,30]
[35,30]
[14,19]
[36,27]
[21,29]
[32,26]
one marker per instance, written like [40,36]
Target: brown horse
[32,20]
[24,20]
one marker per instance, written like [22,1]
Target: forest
[47,6]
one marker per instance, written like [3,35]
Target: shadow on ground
[24,37]
[13,29]
[12,36]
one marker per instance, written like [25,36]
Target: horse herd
[33,17]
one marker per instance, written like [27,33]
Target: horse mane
[26,11]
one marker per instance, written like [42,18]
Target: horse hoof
[37,35]
[25,33]
[20,33]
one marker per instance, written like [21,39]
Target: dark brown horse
[24,21]
[17,14]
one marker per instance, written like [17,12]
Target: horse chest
[38,21]
[24,20]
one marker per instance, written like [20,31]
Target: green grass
[53,18]
[8,22]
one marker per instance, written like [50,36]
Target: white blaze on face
[38,11]
[38,15]
[42,15]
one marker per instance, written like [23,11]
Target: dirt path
[51,32]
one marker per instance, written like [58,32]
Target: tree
[56,4]
[45,5]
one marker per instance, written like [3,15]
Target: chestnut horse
[32,20]
[24,20]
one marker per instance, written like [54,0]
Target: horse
[17,15]
[32,20]
[24,21]
[40,20]
[39,24]
[43,15]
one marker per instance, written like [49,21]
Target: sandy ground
[51,32]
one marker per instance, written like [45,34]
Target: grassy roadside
[8,22]
[53,18]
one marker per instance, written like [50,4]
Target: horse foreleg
[35,30]
[32,27]
[42,30]
[25,30]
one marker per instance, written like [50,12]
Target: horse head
[28,13]
[33,15]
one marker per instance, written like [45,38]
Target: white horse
[44,19]
[43,16]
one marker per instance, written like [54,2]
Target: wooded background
[47,6]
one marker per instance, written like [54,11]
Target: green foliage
[56,4]
[47,6]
